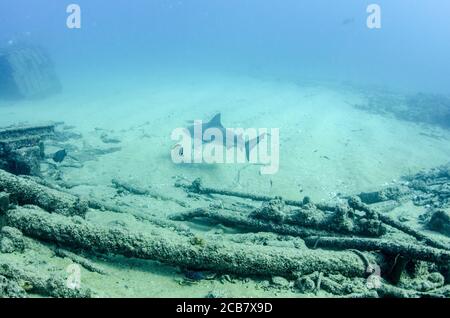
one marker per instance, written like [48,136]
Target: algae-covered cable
[197,187]
[177,250]
[90,266]
[356,203]
[412,251]
[26,191]
[136,190]
[38,283]
[239,220]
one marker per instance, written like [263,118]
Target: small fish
[60,155]
[194,275]
[348,21]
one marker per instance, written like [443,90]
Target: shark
[239,139]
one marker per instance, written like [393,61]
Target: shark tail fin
[249,145]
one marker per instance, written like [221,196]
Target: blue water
[338,101]
[288,39]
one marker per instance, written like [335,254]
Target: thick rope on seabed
[38,282]
[26,191]
[239,220]
[354,202]
[173,249]
[388,247]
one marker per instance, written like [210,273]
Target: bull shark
[239,140]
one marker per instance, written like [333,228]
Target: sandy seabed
[327,147]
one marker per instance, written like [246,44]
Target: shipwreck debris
[22,148]
[4,201]
[136,190]
[11,240]
[26,191]
[90,266]
[440,222]
[410,250]
[179,251]
[197,187]
[27,72]
[275,216]
[29,280]
[431,109]
[356,203]
[242,221]
[325,248]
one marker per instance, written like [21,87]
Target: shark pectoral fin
[262,136]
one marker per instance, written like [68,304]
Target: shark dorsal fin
[215,121]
